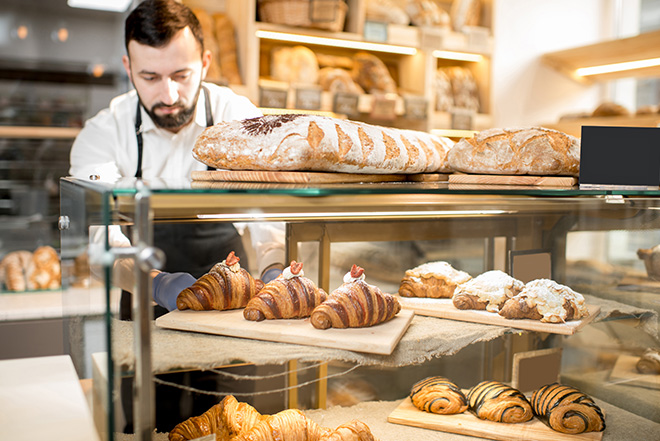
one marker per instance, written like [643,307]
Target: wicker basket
[320,14]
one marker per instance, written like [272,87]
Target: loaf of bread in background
[523,151]
[296,64]
[210,42]
[372,74]
[225,35]
[335,79]
[318,143]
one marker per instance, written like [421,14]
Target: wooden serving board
[291,177]
[428,177]
[379,339]
[625,372]
[541,181]
[444,308]
[467,423]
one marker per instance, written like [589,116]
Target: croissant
[290,295]
[495,401]
[225,286]
[487,291]
[293,425]
[438,395]
[226,419]
[355,304]
[567,410]
[432,279]
[547,301]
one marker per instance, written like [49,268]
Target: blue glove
[270,274]
[167,287]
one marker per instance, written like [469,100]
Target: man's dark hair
[154,23]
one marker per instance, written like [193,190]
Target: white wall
[527,92]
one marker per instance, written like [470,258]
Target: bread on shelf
[317,143]
[519,151]
[547,301]
[290,295]
[495,401]
[438,395]
[432,279]
[567,410]
[226,286]
[355,304]
[489,291]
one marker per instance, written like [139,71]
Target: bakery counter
[620,424]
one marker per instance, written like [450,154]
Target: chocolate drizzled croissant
[225,286]
[226,419]
[567,410]
[495,401]
[355,304]
[438,395]
[290,295]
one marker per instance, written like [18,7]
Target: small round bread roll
[438,395]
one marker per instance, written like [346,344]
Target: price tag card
[620,157]
[375,31]
[384,108]
[416,107]
[345,103]
[273,97]
[308,98]
[462,119]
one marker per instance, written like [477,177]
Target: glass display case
[588,240]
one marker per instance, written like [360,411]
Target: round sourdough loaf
[318,143]
[517,151]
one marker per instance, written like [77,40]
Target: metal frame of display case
[529,218]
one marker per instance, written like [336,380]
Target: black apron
[189,247]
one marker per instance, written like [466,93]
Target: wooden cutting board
[541,181]
[291,177]
[625,372]
[444,308]
[379,339]
[467,423]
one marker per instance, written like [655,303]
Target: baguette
[317,143]
[527,151]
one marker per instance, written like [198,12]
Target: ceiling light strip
[459,56]
[336,42]
[617,67]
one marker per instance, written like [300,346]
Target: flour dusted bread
[487,291]
[317,143]
[433,279]
[547,301]
[523,151]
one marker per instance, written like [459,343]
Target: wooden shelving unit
[641,47]
[414,73]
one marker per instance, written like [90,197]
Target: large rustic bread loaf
[317,143]
[531,151]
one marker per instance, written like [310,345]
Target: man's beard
[175,120]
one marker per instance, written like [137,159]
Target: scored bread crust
[318,143]
[517,151]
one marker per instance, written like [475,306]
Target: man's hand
[167,286]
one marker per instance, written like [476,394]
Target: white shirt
[107,144]
[107,147]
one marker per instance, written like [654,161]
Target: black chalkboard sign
[625,157]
